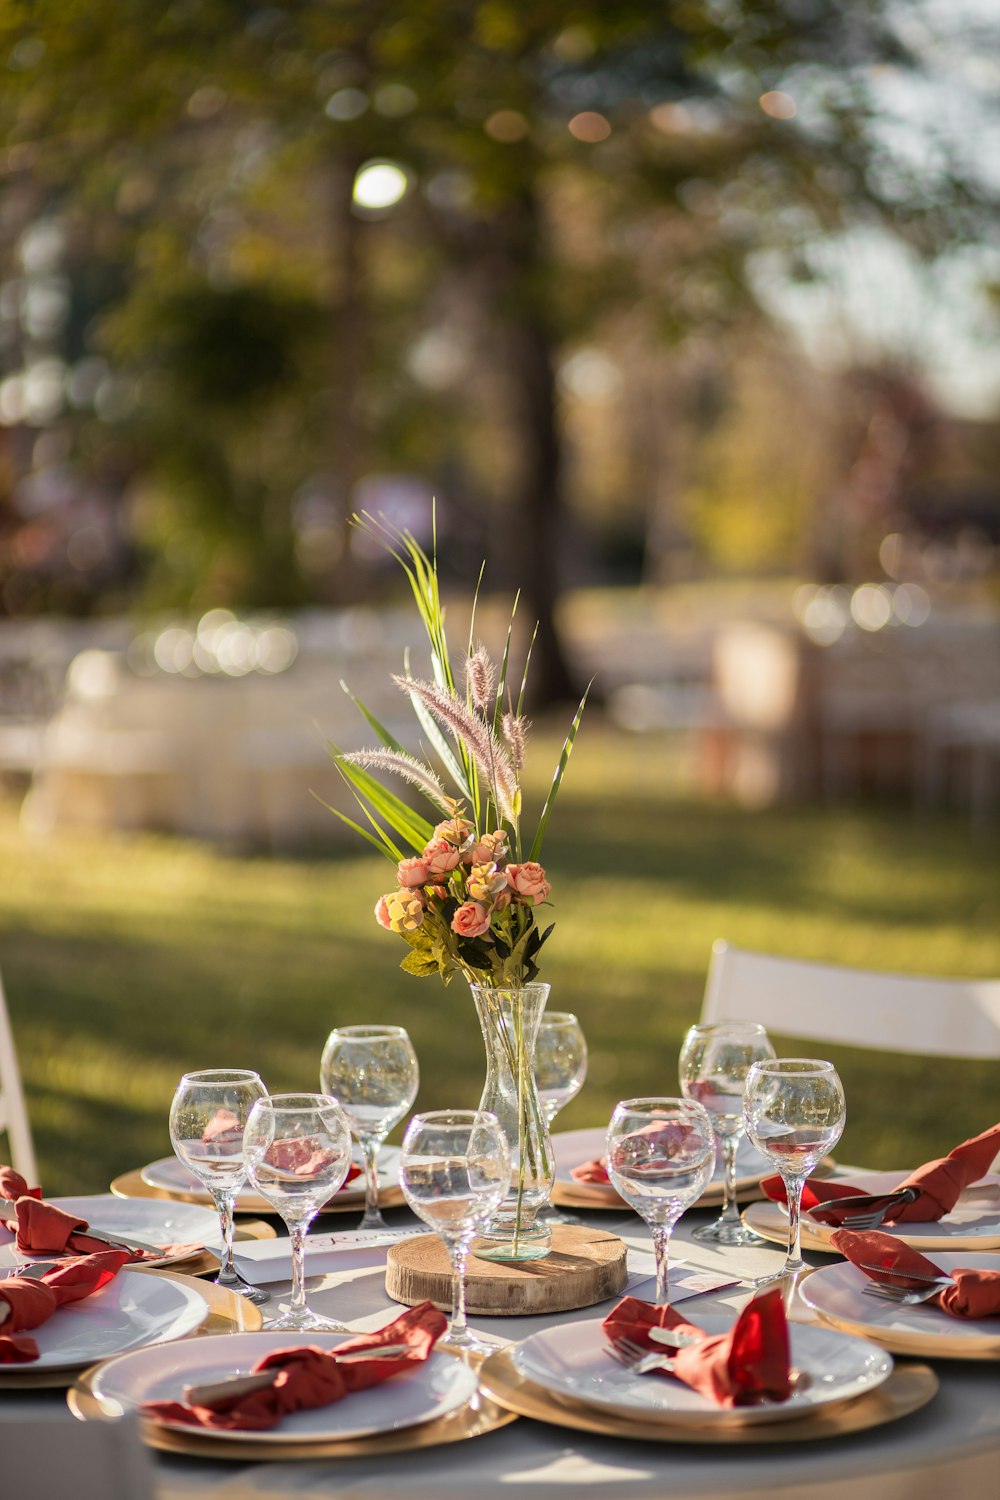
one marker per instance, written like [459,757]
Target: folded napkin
[43,1229]
[309,1377]
[975,1293]
[27,1301]
[660,1138]
[940,1182]
[749,1363]
[591,1171]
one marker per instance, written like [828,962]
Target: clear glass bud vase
[509,1020]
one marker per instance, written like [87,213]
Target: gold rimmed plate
[464,1412]
[969,1227]
[133,1185]
[221,1311]
[907,1389]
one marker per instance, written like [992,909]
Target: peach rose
[471,920]
[528,880]
[440,858]
[491,849]
[412,872]
[401,910]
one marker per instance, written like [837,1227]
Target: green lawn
[127,962]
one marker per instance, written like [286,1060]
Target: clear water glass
[372,1072]
[207,1116]
[794,1112]
[714,1063]
[454,1172]
[660,1156]
[560,1067]
[298,1150]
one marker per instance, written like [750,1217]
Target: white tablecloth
[951,1448]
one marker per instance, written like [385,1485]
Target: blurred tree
[291,321]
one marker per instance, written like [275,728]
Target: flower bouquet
[467,892]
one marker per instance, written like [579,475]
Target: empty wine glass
[372,1073]
[714,1063]
[560,1067]
[298,1150]
[660,1155]
[207,1116]
[794,1112]
[454,1171]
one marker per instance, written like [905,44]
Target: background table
[949,1448]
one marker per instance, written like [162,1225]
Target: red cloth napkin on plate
[309,1377]
[667,1135]
[941,1183]
[975,1294]
[749,1363]
[591,1171]
[43,1229]
[27,1301]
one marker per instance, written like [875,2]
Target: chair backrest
[858,1007]
[47,1454]
[13,1111]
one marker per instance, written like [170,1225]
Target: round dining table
[949,1448]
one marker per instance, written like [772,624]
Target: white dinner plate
[170,1175]
[133,1310]
[571,1360]
[155,1220]
[430,1389]
[973,1222]
[573,1147]
[836,1293]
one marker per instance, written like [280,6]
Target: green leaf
[383,846]
[440,744]
[419,961]
[502,674]
[388,740]
[374,797]
[567,751]
[524,674]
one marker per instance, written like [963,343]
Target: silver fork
[873,1217]
[641,1362]
[905,1296]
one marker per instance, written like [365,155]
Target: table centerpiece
[468,886]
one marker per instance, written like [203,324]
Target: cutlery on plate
[941,1279]
[242,1385]
[900,1294]
[640,1362]
[877,1205]
[660,1336]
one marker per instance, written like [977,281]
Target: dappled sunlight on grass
[128,961]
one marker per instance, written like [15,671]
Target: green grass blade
[567,751]
[524,675]
[402,819]
[388,740]
[383,843]
[504,663]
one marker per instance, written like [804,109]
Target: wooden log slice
[585,1266]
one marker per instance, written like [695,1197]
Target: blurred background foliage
[262,263]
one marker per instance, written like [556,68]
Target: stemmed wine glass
[560,1067]
[207,1116]
[454,1172]
[372,1073]
[794,1112]
[298,1150]
[660,1154]
[714,1063]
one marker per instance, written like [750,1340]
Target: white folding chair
[858,1007]
[13,1110]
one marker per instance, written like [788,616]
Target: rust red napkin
[309,1377]
[591,1171]
[749,1363]
[941,1183]
[975,1293]
[28,1302]
[43,1229]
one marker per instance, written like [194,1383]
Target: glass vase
[509,1020]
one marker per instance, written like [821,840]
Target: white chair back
[858,1007]
[13,1110]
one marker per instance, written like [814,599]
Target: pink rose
[440,858]
[401,910]
[528,880]
[471,920]
[382,913]
[455,831]
[490,849]
[412,872]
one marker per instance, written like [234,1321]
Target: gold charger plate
[599,1195]
[228,1312]
[131,1185]
[771,1223]
[907,1389]
[478,1417]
